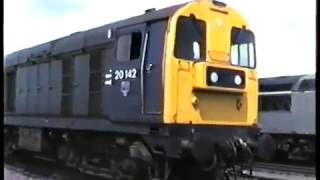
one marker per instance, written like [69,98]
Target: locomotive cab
[188,68]
[210,67]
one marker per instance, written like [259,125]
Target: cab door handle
[149,67]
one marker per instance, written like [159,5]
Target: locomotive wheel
[133,169]
[282,155]
[8,150]
[10,146]
[266,147]
[68,156]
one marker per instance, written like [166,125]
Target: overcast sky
[284,29]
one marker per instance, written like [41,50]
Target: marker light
[237,80]
[214,77]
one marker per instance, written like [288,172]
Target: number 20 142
[125,74]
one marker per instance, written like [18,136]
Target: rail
[284,168]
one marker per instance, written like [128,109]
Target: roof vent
[218,3]
[150,10]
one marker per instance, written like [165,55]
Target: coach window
[190,42]
[129,46]
[307,85]
[276,87]
[242,50]
[275,102]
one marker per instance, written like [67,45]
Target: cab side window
[129,46]
[190,38]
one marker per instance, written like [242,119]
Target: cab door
[122,83]
[152,91]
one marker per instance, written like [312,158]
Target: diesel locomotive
[287,118]
[146,97]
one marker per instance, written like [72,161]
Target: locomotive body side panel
[55,87]
[32,84]
[107,55]
[58,88]
[122,78]
[71,44]
[303,109]
[80,98]
[299,120]
[43,88]
[277,122]
[21,93]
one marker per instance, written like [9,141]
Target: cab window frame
[130,33]
[202,43]
[253,43]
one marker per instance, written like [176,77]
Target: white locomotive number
[125,74]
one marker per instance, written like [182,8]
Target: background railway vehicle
[287,117]
[171,89]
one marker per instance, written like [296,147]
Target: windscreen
[242,50]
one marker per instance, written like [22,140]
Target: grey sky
[284,29]
[56,7]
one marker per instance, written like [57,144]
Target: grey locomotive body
[287,116]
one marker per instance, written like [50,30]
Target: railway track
[37,168]
[284,168]
[40,169]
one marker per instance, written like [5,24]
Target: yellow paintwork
[187,99]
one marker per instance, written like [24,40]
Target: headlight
[214,77]
[237,79]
